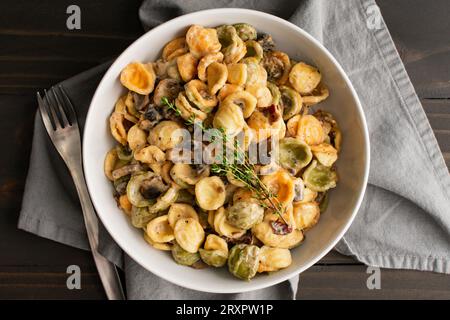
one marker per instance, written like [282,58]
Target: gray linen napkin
[404,221]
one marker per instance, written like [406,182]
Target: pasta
[231,83]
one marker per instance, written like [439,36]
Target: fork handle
[107,270]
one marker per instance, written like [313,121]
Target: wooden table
[37,50]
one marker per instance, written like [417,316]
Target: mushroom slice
[205,62]
[262,94]
[306,215]
[117,127]
[185,175]
[138,77]
[179,211]
[310,130]
[166,135]
[237,73]
[282,185]
[319,178]
[217,74]
[166,88]
[291,102]
[126,170]
[198,93]
[277,65]
[266,42]
[245,100]
[109,163]
[273,259]
[187,110]
[174,49]
[325,153]
[230,118]
[264,232]
[245,31]
[189,234]
[294,154]
[202,41]
[210,193]
[319,94]
[136,137]
[150,155]
[228,89]
[159,230]
[223,228]
[304,78]
[187,66]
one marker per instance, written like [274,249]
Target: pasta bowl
[343,103]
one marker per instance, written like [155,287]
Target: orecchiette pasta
[138,78]
[202,41]
[210,193]
[187,66]
[206,61]
[209,200]
[273,259]
[189,234]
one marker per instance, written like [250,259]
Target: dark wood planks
[350,282]
[421,32]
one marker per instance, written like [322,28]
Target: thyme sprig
[239,167]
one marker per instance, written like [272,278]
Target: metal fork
[60,120]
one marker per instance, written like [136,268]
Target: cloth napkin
[404,220]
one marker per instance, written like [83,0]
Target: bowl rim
[296,271]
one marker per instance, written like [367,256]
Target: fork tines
[56,109]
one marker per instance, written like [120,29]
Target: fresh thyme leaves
[239,167]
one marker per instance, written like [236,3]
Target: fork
[61,123]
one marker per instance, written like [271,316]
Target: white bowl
[353,164]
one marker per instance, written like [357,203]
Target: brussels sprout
[294,154]
[245,214]
[124,153]
[141,216]
[291,101]
[134,190]
[275,91]
[183,257]
[243,261]
[214,258]
[225,34]
[319,178]
[245,31]
[184,196]
[254,50]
